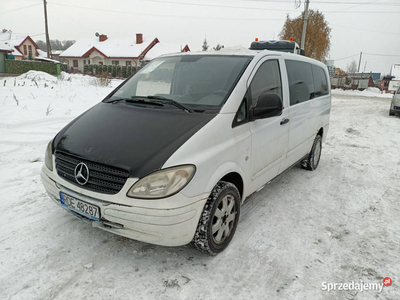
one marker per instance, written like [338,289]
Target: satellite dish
[97,34]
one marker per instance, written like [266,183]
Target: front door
[270,136]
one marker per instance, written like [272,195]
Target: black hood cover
[137,139]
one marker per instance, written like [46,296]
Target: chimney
[139,38]
[102,37]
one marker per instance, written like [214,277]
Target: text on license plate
[81,207]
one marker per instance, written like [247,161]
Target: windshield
[195,81]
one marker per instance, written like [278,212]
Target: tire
[217,213]
[312,161]
[391,113]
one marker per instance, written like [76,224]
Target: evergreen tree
[218,47]
[205,45]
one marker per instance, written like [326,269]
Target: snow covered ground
[338,224]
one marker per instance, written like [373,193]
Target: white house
[106,50]
[23,47]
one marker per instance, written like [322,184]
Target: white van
[170,155]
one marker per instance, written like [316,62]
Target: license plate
[81,207]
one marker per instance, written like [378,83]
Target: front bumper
[169,222]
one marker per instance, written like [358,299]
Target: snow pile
[38,76]
[35,95]
[368,92]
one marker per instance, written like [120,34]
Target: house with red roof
[126,51]
[23,47]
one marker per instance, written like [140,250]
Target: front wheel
[312,160]
[218,222]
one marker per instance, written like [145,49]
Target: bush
[113,71]
[102,79]
[124,71]
[119,71]
[23,66]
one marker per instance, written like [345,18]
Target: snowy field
[338,224]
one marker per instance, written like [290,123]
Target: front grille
[102,178]
[396,107]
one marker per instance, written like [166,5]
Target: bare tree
[352,67]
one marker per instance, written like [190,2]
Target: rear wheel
[312,160]
[218,222]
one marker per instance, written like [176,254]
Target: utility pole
[359,62]
[47,30]
[303,35]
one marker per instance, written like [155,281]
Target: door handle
[284,121]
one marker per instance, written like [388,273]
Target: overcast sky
[371,27]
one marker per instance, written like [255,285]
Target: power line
[220,6]
[374,54]
[365,29]
[382,54]
[347,57]
[17,9]
[208,5]
[18,38]
[330,2]
[164,16]
[341,10]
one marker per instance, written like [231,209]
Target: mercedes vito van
[171,154]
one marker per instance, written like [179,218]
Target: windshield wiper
[135,99]
[160,100]
[170,101]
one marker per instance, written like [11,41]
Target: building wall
[95,58]
[27,43]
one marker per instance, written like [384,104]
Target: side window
[266,81]
[320,81]
[301,82]
[241,115]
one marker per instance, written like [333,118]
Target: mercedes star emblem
[81,173]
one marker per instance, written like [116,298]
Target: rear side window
[266,81]
[301,81]
[320,81]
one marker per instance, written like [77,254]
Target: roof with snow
[4,46]
[111,47]
[43,56]
[161,49]
[7,38]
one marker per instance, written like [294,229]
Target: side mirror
[268,105]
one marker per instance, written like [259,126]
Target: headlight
[162,183]
[48,158]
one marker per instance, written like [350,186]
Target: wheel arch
[229,172]
[236,180]
[321,132]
